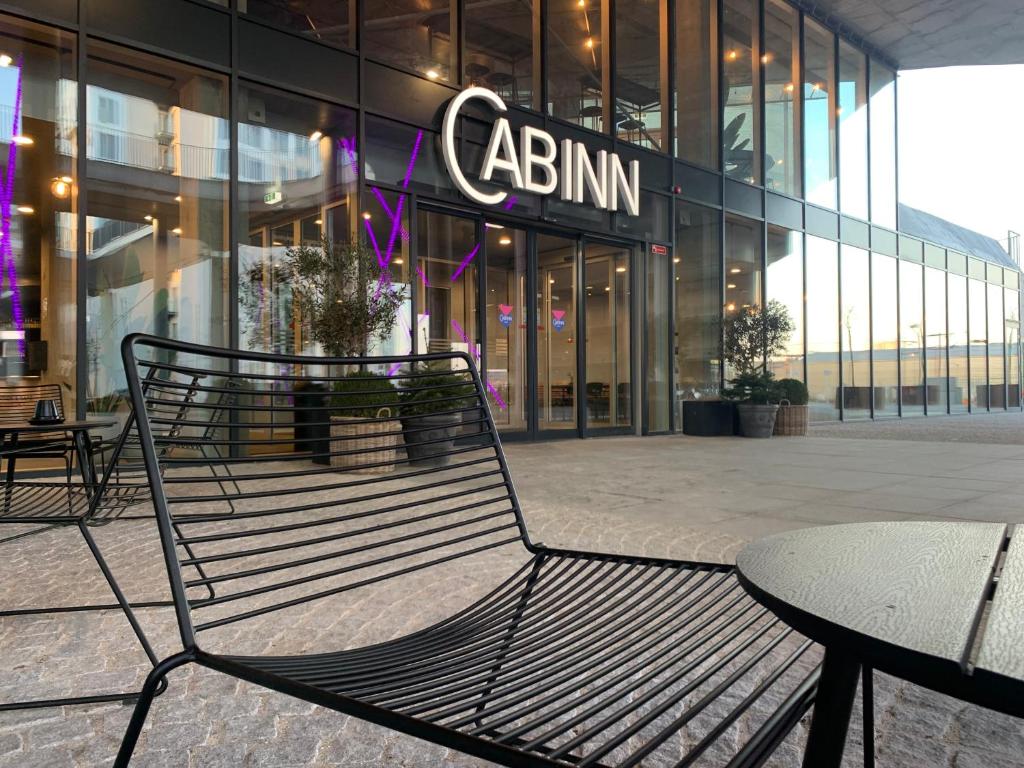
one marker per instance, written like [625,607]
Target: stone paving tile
[617,495]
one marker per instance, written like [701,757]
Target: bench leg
[156,681]
[868,693]
[832,707]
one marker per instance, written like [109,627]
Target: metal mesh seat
[570,658]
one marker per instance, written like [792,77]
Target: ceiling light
[315,136]
[494,226]
[147,217]
[676,260]
[177,198]
[730,307]
[789,87]
[608,288]
[589,43]
[433,74]
[366,215]
[66,179]
[505,240]
[318,221]
[5,60]
[60,188]
[815,87]
[732,55]
[176,230]
[730,286]
[620,269]
[766,58]
[582,3]
[735,271]
[26,209]
[276,242]
[23,141]
[397,261]
[551,280]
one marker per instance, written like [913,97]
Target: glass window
[328,21]
[609,401]
[855,330]
[157,219]
[659,308]
[937,389]
[996,356]
[639,115]
[506,326]
[446,298]
[977,322]
[696,98]
[385,228]
[885,335]
[823,329]
[912,360]
[883,146]
[1012,309]
[297,170]
[556,332]
[819,115]
[741,136]
[575,84]
[781,74]
[742,263]
[38,247]
[853,131]
[404,156]
[959,390]
[499,49]
[785,284]
[415,34]
[698,340]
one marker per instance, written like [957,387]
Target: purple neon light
[6,196]
[476,354]
[373,242]
[511,201]
[422,275]
[465,262]
[349,146]
[412,159]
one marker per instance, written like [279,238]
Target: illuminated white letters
[539,164]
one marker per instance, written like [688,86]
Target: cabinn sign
[539,164]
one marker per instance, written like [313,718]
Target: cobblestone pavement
[678,497]
[992,428]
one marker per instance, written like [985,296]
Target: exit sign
[659,250]
[272,198]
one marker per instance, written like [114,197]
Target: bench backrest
[336,480]
[19,402]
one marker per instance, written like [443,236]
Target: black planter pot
[757,419]
[312,427]
[421,432]
[709,418]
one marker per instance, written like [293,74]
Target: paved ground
[1005,428]
[676,496]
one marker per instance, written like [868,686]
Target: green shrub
[363,394]
[752,387]
[449,384]
[793,390]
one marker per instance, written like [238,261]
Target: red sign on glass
[659,250]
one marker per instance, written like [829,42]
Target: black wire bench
[571,658]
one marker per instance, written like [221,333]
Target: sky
[960,153]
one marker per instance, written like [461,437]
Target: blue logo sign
[505,315]
[558,319]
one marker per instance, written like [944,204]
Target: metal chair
[571,658]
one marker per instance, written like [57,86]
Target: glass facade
[161,191]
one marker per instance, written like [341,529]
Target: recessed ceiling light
[620,269]
[608,288]
[5,60]
[397,261]
[315,136]
[494,226]
[551,280]
[505,240]
[147,217]
[176,230]
[676,260]
[318,221]
[23,141]
[735,271]
[730,286]
[177,198]
[730,307]
[26,209]
[366,215]
[433,74]
[589,43]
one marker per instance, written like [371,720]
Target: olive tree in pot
[751,337]
[431,406]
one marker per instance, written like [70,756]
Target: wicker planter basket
[370,438]
[791,420]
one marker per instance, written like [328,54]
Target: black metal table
[11,432]
[938,604]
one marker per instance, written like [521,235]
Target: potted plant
[427,404]
[751,337]
[364,436]
[344,297]
[791,419]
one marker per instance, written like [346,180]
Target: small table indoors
[940,605]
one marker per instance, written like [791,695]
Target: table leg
[832,707]
[10,442]
[85,464]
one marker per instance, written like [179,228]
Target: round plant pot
[428,438]
[756,420]
[791,421]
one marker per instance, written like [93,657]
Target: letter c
[451,159]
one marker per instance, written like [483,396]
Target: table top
[68,425]
[918,600]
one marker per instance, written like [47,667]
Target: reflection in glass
[698,342]
[855,330]
[853,131]
[609,397]
[415,34]
[696,82]
[446,297]
[297,176]
[885,335]
[996,357]
[959,389]
[387,231]
[1012,308]
[781,76]
[506,326]
[912,361]
[499,49]
[977,322]
[157,221]
[937,383]
[785,284]
[823,329]
[742,265]
[574,39]
[326,21]
[401,155]
[819,115]
[659,361]
[38,129]
[556,332]
[639,116]
[741,73]
[883,145]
